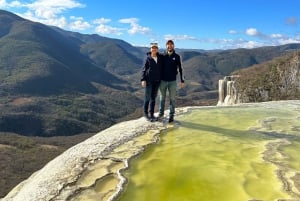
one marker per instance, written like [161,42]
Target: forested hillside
[278,79]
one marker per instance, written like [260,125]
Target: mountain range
[57,82]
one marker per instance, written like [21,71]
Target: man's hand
[143,83]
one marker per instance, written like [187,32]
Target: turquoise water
[216,154]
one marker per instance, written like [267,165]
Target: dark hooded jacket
[151,71]
[172,64]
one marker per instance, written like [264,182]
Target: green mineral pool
[221,154]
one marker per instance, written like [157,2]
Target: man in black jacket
[151,76]
[171,66]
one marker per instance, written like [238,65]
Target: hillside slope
[278,79]
[49,87]
[35,59]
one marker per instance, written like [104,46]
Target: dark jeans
[151,91]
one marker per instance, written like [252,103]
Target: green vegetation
[277,79]
[21,156]
[65,114]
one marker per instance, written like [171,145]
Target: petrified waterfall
[227,92]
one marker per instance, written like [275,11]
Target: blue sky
[195,24]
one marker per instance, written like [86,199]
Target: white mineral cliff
[57,180]
[228,94]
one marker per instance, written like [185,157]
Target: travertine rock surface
[54,181]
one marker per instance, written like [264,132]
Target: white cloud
[250,44]
[244,44]
[272,40]
[102,21]
[48,12]
[287,41]
[50,9]
[232,32]
[55,21]
[223,43]
[228,43]
[179,37]
[15,4]
[46,9]
[276,36]
[135,28]
[129,20]
[78,23]
[103,28]
[4,4]
[255,33]
[266,40]
[252,32]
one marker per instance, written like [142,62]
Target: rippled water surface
[221,154]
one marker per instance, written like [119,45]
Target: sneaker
[160,116]
[171,119]
[147,117]
[153,118]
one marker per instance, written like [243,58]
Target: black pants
[151,91]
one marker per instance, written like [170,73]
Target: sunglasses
[154,44]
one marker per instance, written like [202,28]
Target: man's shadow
[252,133]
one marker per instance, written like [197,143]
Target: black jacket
[151,71]
[172,64]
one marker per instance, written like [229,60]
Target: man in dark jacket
[171,66]
[151,76]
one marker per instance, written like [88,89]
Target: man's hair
[170,41]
